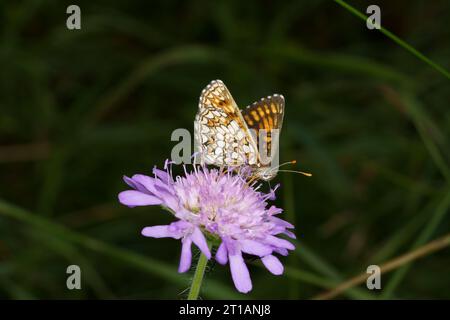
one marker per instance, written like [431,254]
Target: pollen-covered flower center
[222,204]
[217,205]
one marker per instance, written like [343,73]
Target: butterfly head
[265,173]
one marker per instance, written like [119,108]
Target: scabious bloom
[218,205]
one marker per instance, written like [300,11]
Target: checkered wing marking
[265,114]
[221,132]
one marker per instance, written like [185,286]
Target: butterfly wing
[220,130]
[265,114]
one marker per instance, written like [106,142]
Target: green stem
[397,40]
[198,277]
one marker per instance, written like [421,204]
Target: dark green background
[81,108]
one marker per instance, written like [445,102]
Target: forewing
[221,132]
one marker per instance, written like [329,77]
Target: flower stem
[198,277]
[397,40]
[420,252]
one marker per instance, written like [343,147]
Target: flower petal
[146,181]
[186,255]
[199,239]
[281,222]
[290,234]
[281,243]
[160,232]
[163,175]
[132,184]
[273,211]
[255,247]
[163,187]
[240,274]
[281,251]
[273,264]
[222,254]
[134,198]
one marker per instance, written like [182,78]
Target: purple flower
[221,205]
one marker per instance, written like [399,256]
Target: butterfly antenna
[283,164]
[294,171]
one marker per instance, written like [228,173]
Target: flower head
[218,204]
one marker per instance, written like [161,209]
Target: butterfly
[227,136]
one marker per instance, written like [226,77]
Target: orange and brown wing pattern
[221,132]
[265,114]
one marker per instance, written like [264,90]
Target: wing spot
[273,107]
[255,115]
[261,112]
[218,151]
[271,124]
[266,124]
[248,120]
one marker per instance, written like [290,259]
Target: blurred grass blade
[160,269]
[70,253]
[321,266]
[308,277]
[289,208]
[425,133]
[424,236]
[397,40]
[431,247]
[331,61]
[178,55]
